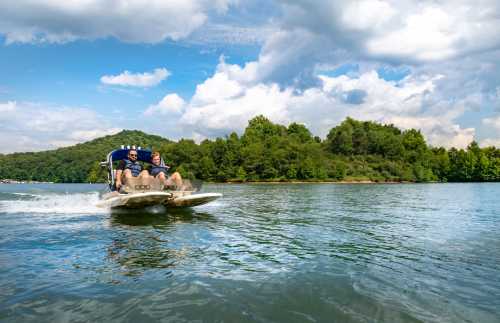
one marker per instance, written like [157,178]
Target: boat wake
[51,203]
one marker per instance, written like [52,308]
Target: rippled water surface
[264,253]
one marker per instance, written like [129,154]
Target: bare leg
[162,178]
[177,179]
[126,175]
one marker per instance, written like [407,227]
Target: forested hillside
[75,164]
[352,151]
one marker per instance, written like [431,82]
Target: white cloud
[35,127]
[409,103]
[170,104]
[211,90]
[282,83]
[438,130]
[288,57]
[224,34]
[86,135]
[488,142]
[222,115]
[7,107]
[425,36]
[366,14]
[148,21]
[451,50]
[494,122]
[406,30]
[138,79]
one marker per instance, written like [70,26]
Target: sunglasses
[132,155]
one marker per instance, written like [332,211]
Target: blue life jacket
[135,168]
[157,169]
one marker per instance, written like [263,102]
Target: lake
[262,253]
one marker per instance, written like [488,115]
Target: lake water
[262,253]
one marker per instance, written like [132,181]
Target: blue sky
[71,72]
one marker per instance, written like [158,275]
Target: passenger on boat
[157,170]
[128,168]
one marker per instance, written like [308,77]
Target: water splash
[54,203]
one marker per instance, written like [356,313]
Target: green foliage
[75,164]
[353,137]
[299,132]
[354,150]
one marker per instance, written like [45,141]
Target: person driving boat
[128,168]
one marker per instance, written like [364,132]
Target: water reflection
[157,215]
[150,239]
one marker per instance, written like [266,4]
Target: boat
[145,192]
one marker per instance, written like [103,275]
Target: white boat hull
[193,200]
[145,199]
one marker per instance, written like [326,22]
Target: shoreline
[343,182]
[13,181]
[318,182]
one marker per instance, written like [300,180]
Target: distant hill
[73,164]
[352,151]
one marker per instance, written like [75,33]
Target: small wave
[23,194]
[70,203]
[16,196]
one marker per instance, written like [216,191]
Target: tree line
[352,151]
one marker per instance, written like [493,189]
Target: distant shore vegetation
[354,151]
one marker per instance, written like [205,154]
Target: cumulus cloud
[7,106]
[227,100]
[406,30]
[449,48]
[438,130]
[230,34]
[34,127]
[489,142]
[138,79]
[220,115]
[288,58]
[313,34]
[170,104]
[494,122]
[134,21]
[456,39]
